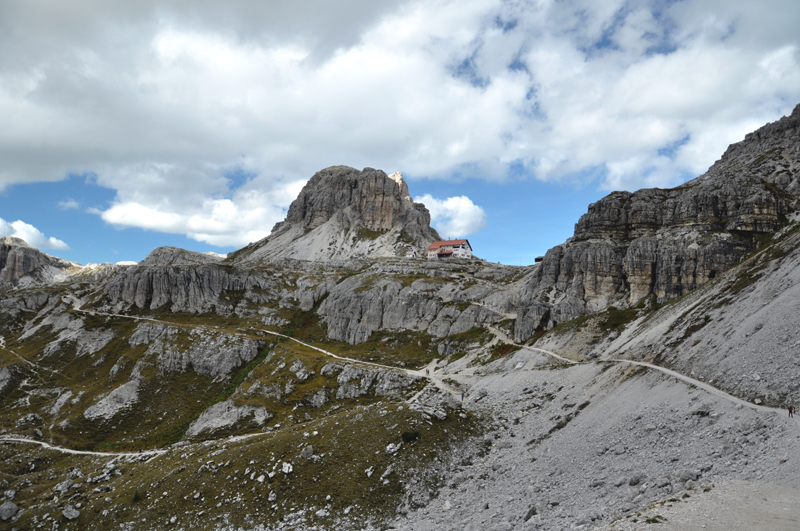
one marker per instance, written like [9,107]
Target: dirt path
[153,453]
[708,388]
[675,374]
[435,380]
[410,372]
[430,375]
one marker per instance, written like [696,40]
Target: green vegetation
[409,436]
[615,319]
[207,480]
[367,234]
[305,326]
[401,348]
[408,279]
[501,350]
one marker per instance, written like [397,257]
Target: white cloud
[161,99]
[32,235]
[68,204]
[454,217]
[202,206]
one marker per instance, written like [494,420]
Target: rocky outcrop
[118,400]
[207,353]
[173,256]
[358,381]
[226,415]
[20,261]
[390,298]
[666,243]
[5,378]
[341,213]
[185,289]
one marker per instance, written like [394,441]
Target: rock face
[189,289]
[8,510]
[359,306]
[666,243]
[19,260]
[208,353]
[226,414]
[119,399]
[173,256]
[341,213]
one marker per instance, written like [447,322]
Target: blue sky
[144,123]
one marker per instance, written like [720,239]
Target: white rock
[70,512]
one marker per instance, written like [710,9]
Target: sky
[133,124]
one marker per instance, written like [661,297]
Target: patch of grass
[306,325]
[476,334]
[501,350]
[404,237]
[407,279]
[137,497]
[349,443]
[399,348]
[367,234]
[615,319]
[746,278]
[409,436]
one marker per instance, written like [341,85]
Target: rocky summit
[343,213]
[329,377]
[22,263]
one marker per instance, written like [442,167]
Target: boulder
[8,510]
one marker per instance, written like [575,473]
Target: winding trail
[153,453]
[427,372]
[410,372]
[675,374]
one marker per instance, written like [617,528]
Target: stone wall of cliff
[343,212]
[666,243]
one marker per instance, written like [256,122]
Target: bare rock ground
[728,506]
[581,446]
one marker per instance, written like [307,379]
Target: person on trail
[462,397]
[427,372]
[791,411]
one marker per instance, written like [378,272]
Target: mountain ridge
[372,391]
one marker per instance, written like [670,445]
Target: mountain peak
[13,241]
[342,213]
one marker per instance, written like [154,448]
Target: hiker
[791,411]
[462,397]
[427,372]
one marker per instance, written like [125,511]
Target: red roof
[436,245]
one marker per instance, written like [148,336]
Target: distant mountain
[316,380]
[666,243]
[344,213]
[23,264]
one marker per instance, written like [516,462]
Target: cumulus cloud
[32,235]
[68,204]
[212,209]
[454,217]
[168,96]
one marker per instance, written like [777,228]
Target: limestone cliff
[342,213]
[666,243]
[22,263]
[173,256]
